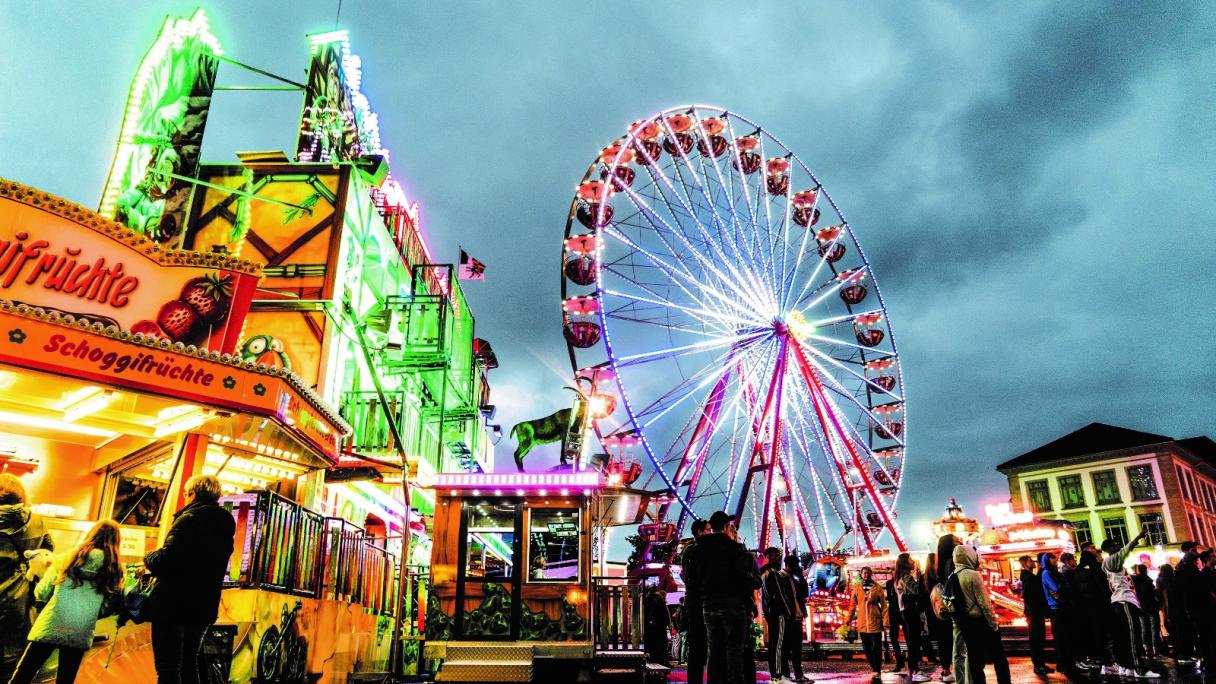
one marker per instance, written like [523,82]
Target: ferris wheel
[720,307]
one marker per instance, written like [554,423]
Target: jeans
[1038,638]
[912,631]
[695,644]
[871,644]
[960,654]
[726,629]
[36,653]
[1129,640]
[175,650]
[984,646]
[893,636]
[940,631]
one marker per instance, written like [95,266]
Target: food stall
[1013,535]
[122,375]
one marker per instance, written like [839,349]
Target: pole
[402,579]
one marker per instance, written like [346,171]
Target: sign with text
[61,257]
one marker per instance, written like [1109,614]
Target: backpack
[947,598]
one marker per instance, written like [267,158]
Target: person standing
[1167,601]
[1150,621]
[21,530]
[657,625]
[977,620]
[779,607]
[939,629]
[945,568]
[1057,586]
[1183,627]
[894,625]
[1034,606]
[793,644]
[189,569]
[1125,610]
[1093,609]
[908,598]
[726,576]
[867,607]
[694,616]
[74,593]
[1197,582]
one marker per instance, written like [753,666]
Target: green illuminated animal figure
[554,427]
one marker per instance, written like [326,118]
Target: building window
[1039,496]
[1143,485]
[1154,523]
[1115,527]
[1071,493]
[1181,479]
[553,551]
[1190,486]
[1197,532]
[1106,488]
[491,540]
[1081,533]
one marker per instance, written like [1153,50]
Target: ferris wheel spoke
[869,383]
[862,348]
[663,354]
[752,208]
[828,288]
[815,274]
[709,205]
[833,320]
[762,195]
[836,471]
[798,258]
[705,263]
[685,279]
[704,382]
[699,314]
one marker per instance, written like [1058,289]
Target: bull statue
[554,427]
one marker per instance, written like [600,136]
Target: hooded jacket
[1121,588]
[1089,581]
[1055,593]
[21,530]
[72,609]
[868,605]
[975,597]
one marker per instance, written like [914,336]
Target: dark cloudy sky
[1032,181]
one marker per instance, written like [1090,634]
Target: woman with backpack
[945,568]
[74,592]
[939,629]
[911,607]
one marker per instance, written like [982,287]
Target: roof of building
[1202,447]
[1095,438]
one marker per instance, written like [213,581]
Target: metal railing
[616,614]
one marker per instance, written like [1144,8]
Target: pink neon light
[517,481]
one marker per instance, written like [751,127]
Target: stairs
[467,663]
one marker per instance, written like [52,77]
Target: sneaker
[876,678]
[947,677]
[921,677]
[1149,674]
[1043,670]
[1084,666]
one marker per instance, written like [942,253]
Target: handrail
[616,614]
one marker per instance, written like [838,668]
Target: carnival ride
[714,291]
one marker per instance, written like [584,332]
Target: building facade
[1111,482]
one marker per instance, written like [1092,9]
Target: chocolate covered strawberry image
[203,302]
[178,320]
[209,296]
[147,328]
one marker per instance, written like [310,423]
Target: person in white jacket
[977,620]
[1126,613]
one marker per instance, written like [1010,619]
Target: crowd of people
[1106,621]
[721,578]
[52,604]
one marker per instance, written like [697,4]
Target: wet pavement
[857,672]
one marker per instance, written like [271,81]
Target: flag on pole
[470,268]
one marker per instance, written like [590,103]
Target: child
[75,592]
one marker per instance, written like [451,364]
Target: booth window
[1081,532]
[553,546]
[490,540]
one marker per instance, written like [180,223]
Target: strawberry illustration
[178,320]
[147,328]
[210,296]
